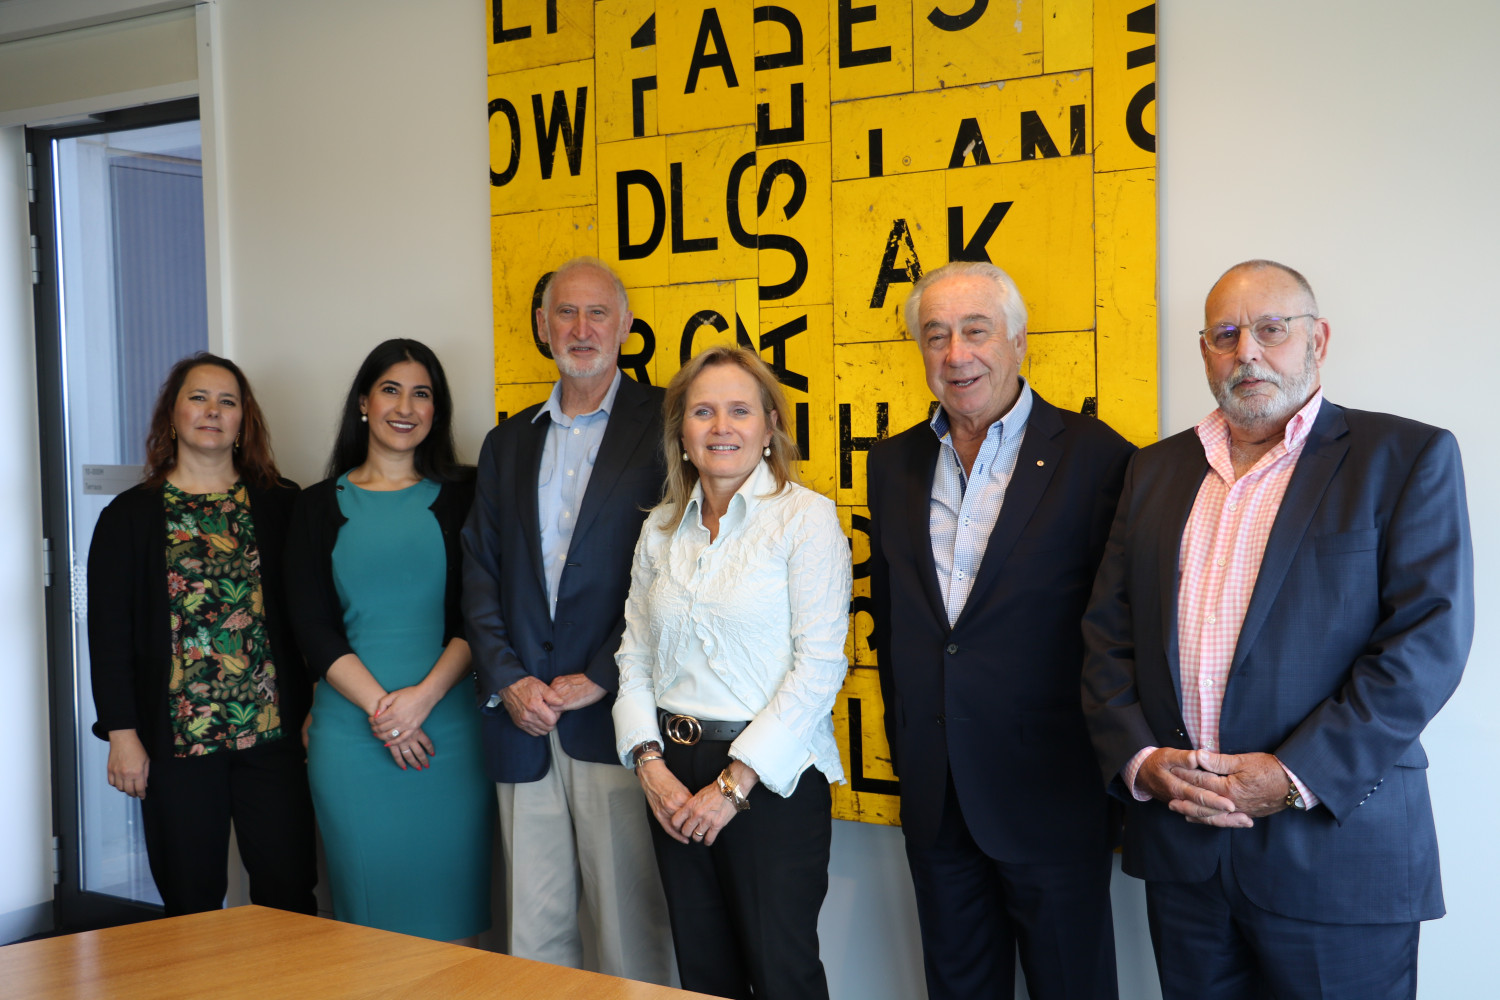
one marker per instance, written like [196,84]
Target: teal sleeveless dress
[408,851]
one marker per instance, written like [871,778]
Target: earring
[364,419]
[236,440]
[684,456]
[766,452]
[173,431]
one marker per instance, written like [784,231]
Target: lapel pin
[1039,462]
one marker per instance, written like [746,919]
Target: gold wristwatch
[730,789]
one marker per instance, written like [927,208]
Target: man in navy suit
[1286,600]
[562,491]
[986,526]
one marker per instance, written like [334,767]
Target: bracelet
[647,757]
[643,749]
[731,791]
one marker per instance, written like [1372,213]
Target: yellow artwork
[779,173]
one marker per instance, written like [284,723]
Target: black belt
[686,730]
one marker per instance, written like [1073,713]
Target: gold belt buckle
[684,730]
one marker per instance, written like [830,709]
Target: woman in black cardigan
[199,686]
[394,758]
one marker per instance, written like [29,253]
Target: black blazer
[316,613]
[995,698]
[130,638]
[505,590]
[1357,632]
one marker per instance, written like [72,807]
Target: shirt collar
[553,406]
[1010,424]
[1213,430]
[761,486]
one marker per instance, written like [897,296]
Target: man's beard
[573,368]
[1256,411]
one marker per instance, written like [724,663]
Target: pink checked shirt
[1218,562]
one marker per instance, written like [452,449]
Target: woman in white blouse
[732,656]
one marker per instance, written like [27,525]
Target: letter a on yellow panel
[542,138]
[705,64]
[890,230]
[525,34]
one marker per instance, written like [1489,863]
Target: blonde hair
[682,475]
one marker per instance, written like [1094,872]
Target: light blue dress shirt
[964,508]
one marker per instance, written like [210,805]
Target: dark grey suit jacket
[505,591]
[1357,632]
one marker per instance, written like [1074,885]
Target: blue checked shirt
[964,508]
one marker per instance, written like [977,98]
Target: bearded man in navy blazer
[986,526]
[1285,602]
[563,488]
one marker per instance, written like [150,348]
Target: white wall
[1345,138]
[1356,142]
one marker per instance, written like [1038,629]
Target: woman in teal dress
[393,746]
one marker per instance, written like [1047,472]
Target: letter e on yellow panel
[526,34]
[542,138]
[791,72]
[705,64]
[980,42]
[869,48]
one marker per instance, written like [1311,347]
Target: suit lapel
[1179,493]
[529,467]
[1320,459]
[921,459]
[622,434]
[1041,450]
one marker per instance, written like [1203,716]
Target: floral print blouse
[222,691]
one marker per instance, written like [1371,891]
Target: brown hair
[253,459]
[682,476]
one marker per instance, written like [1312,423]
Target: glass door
[121,296]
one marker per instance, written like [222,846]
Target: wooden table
[256,953]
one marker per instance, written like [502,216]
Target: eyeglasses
[1268,331]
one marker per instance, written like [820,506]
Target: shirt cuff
[778,756]
[634,724]
[1308,798]
[1131,769]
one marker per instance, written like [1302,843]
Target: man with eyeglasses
[1285,601]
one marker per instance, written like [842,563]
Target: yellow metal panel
[1067,35]
[869,48]
[534,33]
[1043,235]
[867,759]
[1125,201]
[700,168]
[796,250]
[957,43]
[692,317]
[891,229]
[856,524]
[626,70]
[524,248]
[798,345]
[1124,84]
[542,138]
[880,390]
[634,173]
[791,95]
[513,398]
[1060,366]
[638,353]
[705,64]
[1036,117]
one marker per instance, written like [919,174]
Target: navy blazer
[1357,632]
[995,698]
[510,629]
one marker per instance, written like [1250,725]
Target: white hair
[1007,295]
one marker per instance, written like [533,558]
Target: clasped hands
[1215,789]
[692,819]
[397,723]
[535,706]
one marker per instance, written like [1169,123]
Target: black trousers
[1213,943]
[976,913]
[189,804]
[744,912]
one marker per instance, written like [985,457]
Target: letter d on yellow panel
[705,64]
[542,138]
[525,34]
[633,185]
